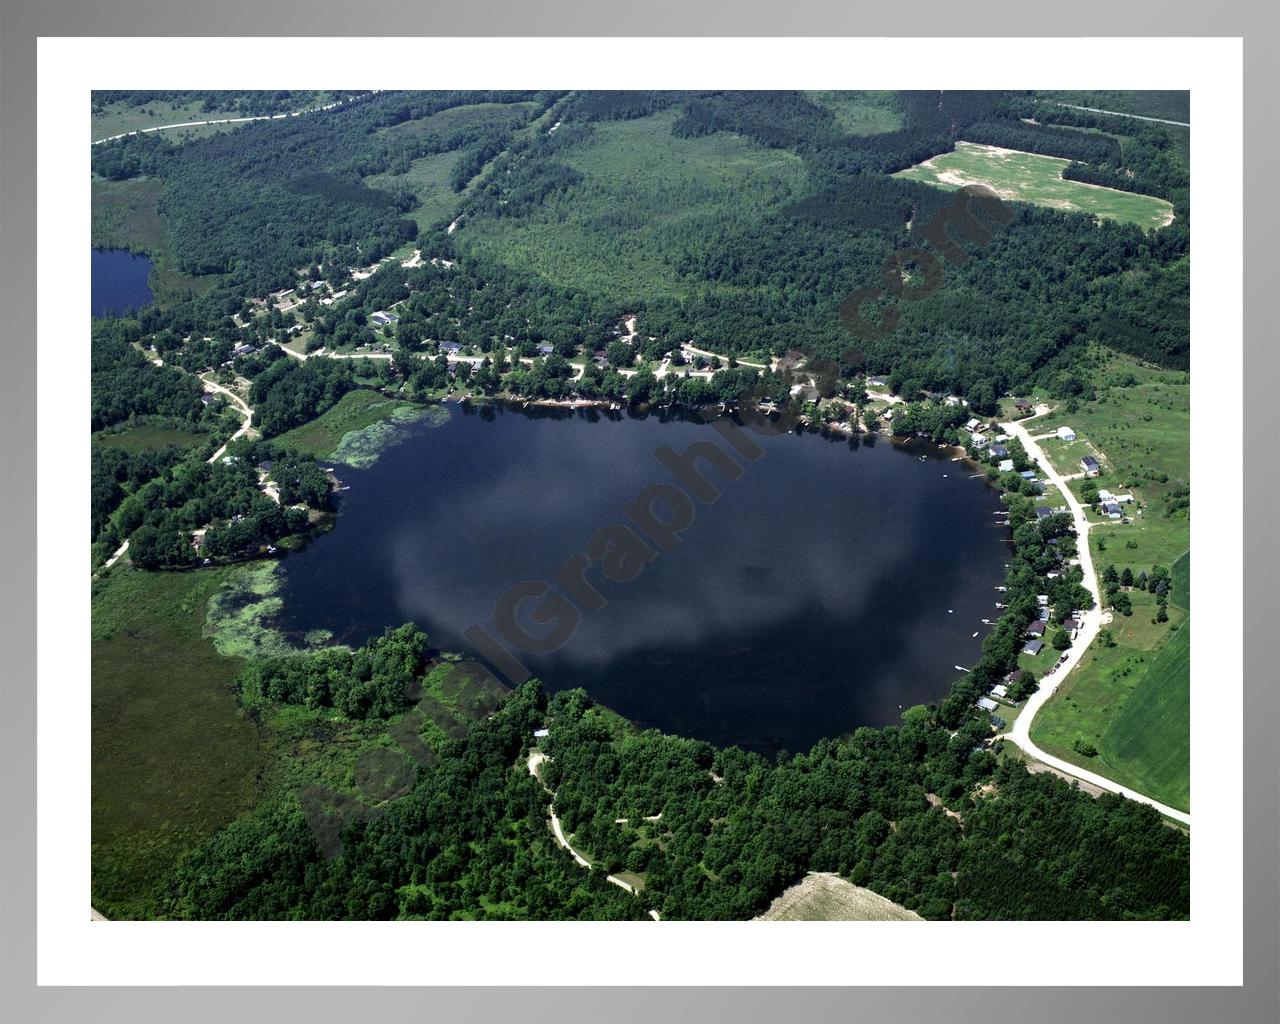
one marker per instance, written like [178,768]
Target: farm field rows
[1030,178]
[1131,701]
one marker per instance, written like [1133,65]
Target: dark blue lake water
[119,281]
[828,587]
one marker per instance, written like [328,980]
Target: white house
[1006,466]
[1066,434]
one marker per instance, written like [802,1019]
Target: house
[1014,677]
[1066,434]
[545,349]
[451,348]
[1071,625]
[1036,628]
[1111,510]
[1000,690]
[1028,474]
[244,350]
[380,318]
[1021,404]
[973,424]
[540,733]
[1090,465]
[979,440]
[1032,646]
[987,704]
[1042,600]
[1006,466]
[877,381]
[1044,613]
[999,451]
[1043,511]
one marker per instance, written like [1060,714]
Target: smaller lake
[119,282]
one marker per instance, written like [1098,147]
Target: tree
[1061,640]
[1126,577]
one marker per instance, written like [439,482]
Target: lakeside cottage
[1005,466]
[1036,628]
[999,451]
[1032,646]
[987,704]
[1000,690]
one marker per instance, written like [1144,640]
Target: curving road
[233,120]
[1091,623]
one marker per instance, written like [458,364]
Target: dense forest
[714,834]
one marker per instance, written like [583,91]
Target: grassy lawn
[126,215]
[1132,701]
[1030,178]
[355,411]
[861,112]
[149,436]
[174,758]
[643,190]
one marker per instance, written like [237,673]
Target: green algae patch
[361,448]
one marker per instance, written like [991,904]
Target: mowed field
[1030,178]
[822,896]
[644,191]
[174,758]
[1132,701]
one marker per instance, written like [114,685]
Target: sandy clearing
[825,896]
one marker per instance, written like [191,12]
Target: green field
[126,215]
[428,179]
[1030,178]
[118,118]
[174,758]
[356,410]
[644,191]
[1132,701]
[862,112]
[148,437]
[462,116]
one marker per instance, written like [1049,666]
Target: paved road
[1135,117]
[231,120]
[1091,624]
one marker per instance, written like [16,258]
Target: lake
[831,585]
[118,281]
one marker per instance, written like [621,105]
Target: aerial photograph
[640,506]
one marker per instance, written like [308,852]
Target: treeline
[713,834]
[289,393]
[1047,140]
[374,681]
